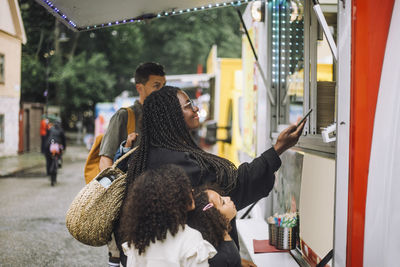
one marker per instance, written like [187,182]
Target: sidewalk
[12,165]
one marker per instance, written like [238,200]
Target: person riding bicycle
[55,142]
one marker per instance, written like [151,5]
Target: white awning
[82,15]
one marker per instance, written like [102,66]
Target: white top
[187,248]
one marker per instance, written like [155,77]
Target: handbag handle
[127,154]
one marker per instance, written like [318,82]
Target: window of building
[1,68]
[1,128]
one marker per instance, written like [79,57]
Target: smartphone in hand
[305,117]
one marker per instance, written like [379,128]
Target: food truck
[338,58]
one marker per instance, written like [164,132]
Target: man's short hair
[146,69]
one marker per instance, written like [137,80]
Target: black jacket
[55,133]
[255,179]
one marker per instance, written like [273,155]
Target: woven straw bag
[91,215]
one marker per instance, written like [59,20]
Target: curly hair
[210,223]
[157,202]
[164,126]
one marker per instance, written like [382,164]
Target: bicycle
[55,151]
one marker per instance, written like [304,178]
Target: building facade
[12,36]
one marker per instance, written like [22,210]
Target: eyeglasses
[190,105]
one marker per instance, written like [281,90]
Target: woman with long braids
[168,117]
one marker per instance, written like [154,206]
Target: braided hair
[164,126]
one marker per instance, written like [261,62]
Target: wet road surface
[32,221]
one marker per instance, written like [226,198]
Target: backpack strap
[131,125]
[93,160]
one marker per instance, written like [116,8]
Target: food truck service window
[303,70]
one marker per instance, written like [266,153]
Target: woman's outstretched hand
[288,138]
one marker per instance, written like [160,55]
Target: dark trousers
[48,161]
[43,145]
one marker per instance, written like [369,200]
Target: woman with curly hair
[155,229]
[168,117]
[211,216]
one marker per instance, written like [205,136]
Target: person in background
[149,77]
[153,227]
[168,117]
[55,133]
[43,132]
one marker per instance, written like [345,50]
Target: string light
[59,13]
[159,15]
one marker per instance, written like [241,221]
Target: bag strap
[127,154]
[131,125]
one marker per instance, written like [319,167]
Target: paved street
[32,220]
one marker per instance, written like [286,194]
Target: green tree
[96,66]
[39,34]
[33,79]
[83,82]
[182,42]
[122,47]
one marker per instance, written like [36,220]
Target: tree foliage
[96,66]
[33,82]
[83,81]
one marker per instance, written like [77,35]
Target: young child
[153,225]
[212,216]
